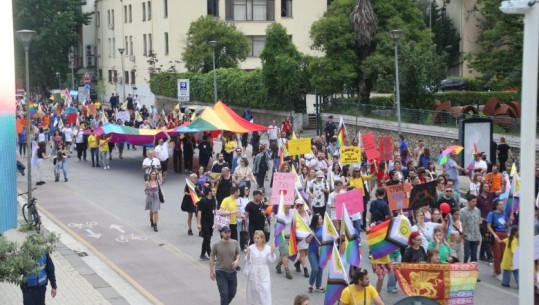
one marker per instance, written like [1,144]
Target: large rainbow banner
[8,180]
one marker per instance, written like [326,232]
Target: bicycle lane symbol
[86,225]
[128,237]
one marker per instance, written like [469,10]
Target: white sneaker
[108,167]
[499,277]
[104,167]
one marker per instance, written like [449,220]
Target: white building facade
[160,26]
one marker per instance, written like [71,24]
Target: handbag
[160,193]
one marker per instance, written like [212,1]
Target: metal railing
[501,124]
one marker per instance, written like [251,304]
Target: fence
[502,124]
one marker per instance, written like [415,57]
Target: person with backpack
[261,165]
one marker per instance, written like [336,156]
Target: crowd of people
[235,188]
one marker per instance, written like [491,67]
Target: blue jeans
[470,250]
[316,272]
[506,276]
[227,283]
[95,156]
[61,166]
[357,226]
[391,279]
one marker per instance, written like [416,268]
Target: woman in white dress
[259,255]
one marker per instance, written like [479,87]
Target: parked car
[453,84]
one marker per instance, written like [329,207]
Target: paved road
[104,209]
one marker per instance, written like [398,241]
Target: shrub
[461,98]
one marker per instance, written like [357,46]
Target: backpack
[263,165]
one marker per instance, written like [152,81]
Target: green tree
[16,260]
[501,45]
[58,24]
[281,69]
[231,47]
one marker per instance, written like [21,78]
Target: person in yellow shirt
[511,244]
[360,291]
[229,207]
[360,180]
[93,143]
[104,151]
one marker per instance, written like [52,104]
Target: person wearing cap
[224,259]
[303,245]
[331,206]
[316,190]
[330,129]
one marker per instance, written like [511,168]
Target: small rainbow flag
[337,278]
[341,134]
[280,222]
[292,243]
[352,240]
[33,108]
[376,240]
[192,191]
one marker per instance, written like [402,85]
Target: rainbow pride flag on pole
[329,236]
[192,191]
[292,243]
[337,278]
[352,240]
[280,222]
[341,134]
[376,240]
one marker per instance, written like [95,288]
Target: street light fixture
[213,44]
[26,37]
[121,50]
[396,36]
[59,82]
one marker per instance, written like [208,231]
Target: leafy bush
[461,98]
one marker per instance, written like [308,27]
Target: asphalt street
[104,210]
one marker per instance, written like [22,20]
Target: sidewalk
[78,275]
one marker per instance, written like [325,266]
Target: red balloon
[445,208]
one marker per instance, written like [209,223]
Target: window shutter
[270,10]
[229,9]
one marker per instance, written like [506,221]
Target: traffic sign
[87,87]
[183,90]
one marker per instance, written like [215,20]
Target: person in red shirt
[286,127]
[381,174]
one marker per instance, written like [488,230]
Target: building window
[126,77]
[125,13]
[112,17]
[126,46]
[145,45]
[143,11]
[213,8]
[150,43]
[108,17]
[258,10]
[149,10]
[130,14]
[165,8]
[131,45]
[99,50]
[110,47]
[110,76]
[98,19]
[114,76]
[133,72]
[286,8]
[100,76]
[114,47]
[166,43]
[257,45]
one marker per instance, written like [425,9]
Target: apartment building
[141,28]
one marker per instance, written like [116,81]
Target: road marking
[88,224]
[93,234]
[117,227]
[104,258]
[126,238]
[499,289]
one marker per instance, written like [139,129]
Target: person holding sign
[360,181]
[316,191]
[229,207]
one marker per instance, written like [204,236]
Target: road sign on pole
[183,90]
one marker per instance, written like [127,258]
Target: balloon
[268,210]
[445,208]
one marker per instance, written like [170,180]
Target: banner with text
[397,196]
[353,200]
[369,144]
[284,182]
[299,146]
[385,148]
[350,155]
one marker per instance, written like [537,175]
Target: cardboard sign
[123,115]
[284,182]
[350,155]
[299,146]
[369,144]
[353,200]
[385,148]
[220,221]
[398,195]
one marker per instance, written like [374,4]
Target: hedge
[461,98]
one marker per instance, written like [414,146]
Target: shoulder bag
[160,193]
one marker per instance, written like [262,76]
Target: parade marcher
[205,152]
[41,155]
[60,163]
[22,142]
[303,245]
[316,191]
[34,286]
[150,164]
[223,184]
[104,151]
[330,129]
[187,203]
[456,237]
[314,253]
[224,259]
[414,253]
[177,155]
[503,152]
[206,212]
[219,164]
[261,165]
[286,127]
[152,198]
[161,153]
[243,174]
[452,169]
[498,224]
[229,207]
[273,132]
[188,152]
[470,217]
[439,243]
[495,179]
[485,204]
[511,244]
[259,255]
[255,143]
[236,159]
[425,229]
[283,247]
[379,208]
[80,145]
[331,206]
[255,215]
[360,291]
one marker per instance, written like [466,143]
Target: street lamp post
[59,82]
[396,35]
[26,37]
[213,44]
[72,66]
[121,50]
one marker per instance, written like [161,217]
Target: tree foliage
[281,69]
[446,38]
[231,48]
[501,39]
[16,260]
[58,24]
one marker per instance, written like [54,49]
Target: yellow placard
[350,155]
[299,146]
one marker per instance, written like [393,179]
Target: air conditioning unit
[111,26]
[89,61]
[89,50]
[132,57]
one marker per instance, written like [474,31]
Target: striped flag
[341,134]
[302,229]
[352,240]
[337,279]
[293,242]
[280,222]
[329,236]
[192,191]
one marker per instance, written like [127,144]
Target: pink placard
[386,148]
[353,200]
[284,182]
[369,145]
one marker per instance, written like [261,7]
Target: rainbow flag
[34,153]
[280,222]
[292,243]
[341,134]
[32,108]
[329,236]
[352,240]
[192,191]
[474,152]
[337,278]
[376,240]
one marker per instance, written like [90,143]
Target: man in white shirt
[273,132]
[282,140]
[161,153]
[81,146]
[480,164]
[68,134]
[150,163]
[144,125]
